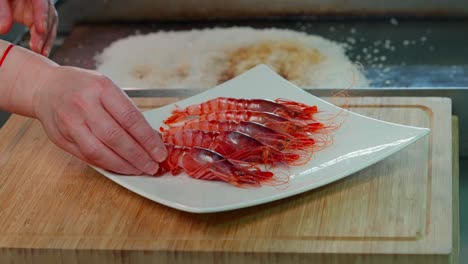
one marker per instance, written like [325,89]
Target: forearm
[20,75]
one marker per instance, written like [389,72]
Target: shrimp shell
[281,107]
[262,133]
[273,121]
[205,164]
[235,145]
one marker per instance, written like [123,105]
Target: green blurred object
[15,34]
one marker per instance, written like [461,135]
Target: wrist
[5,53]
[40,89]
[22,74]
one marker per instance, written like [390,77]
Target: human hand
[39,16]
[87,115]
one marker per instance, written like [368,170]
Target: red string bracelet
[5,54]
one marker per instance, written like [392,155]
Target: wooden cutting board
[56,209]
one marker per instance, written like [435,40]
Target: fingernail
[159,154]
[151,168]
[40,44]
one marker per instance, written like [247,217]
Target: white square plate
[358,143]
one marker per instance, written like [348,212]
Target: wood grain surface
[56,209]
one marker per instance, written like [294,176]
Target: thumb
[6,18]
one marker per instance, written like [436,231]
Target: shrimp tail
[177,115]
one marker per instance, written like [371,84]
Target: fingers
[116,138]
[6,17]
[98,153]
[41,13]
[67,143]
[36,42]
[130,118]
[41,18]
[52,33]
[44,29]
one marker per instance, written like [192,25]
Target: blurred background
[424,43]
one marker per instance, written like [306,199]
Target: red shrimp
[281,107]
[205,164]
[236,146]
[273,121]
[266,135]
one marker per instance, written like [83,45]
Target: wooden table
[56,209]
